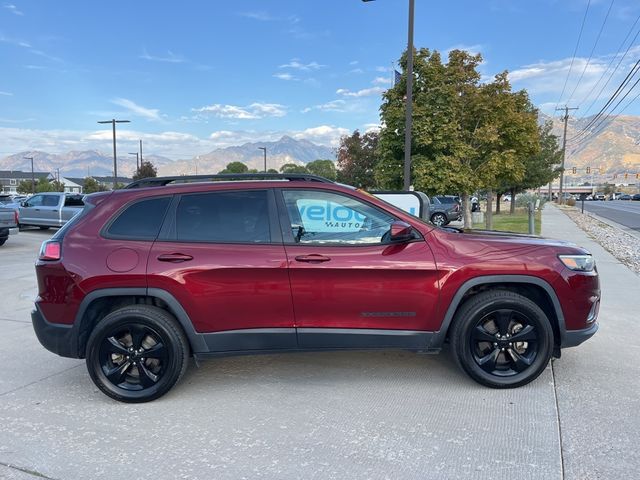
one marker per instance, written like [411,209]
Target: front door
[224,261]
[351,286]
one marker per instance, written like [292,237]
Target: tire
[501,362]
[2,241]
[439,219]
[123,357]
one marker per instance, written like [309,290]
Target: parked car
[636,197]
[292,264]
[8,223]
[50,209]
[599,196]
[624,196]
[445,209]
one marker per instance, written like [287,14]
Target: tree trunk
[466,211]
[512,207]
[489,215]
[498,199]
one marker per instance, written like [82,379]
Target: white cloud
[170,57]
[295,64]
[7,94]
[381,81]
[383,69]
[332,106]
[251,112]
[372,127]
[284,76]
[135,109]
[324,135]
[13,9]
[365,92]
[356,71]
[354,62]
[263,16]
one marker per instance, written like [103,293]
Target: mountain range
[91,162]
[614,150]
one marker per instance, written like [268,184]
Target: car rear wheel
[2,241]
[439,219]
[501,339]
[137,353]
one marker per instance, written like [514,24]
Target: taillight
[15,217]
[50,250]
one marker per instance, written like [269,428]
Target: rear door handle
[312,258]
[174,257]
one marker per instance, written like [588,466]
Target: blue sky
[193,76]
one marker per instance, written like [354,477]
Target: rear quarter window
[141,220]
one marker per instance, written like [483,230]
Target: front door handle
[174,257]
[312,258]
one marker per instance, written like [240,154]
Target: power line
[613,58]
[627,79]
[592,50]
[575,51]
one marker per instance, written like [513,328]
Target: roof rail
[162,181]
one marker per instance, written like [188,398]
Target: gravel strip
[625,247]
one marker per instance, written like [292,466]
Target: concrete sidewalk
[598,383]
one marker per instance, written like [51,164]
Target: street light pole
[408,121]
[137,164]
[33,177]
[264,150]
[115,158]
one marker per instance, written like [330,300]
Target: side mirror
[24,203]
[401,232]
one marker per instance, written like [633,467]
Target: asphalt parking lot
[325,415]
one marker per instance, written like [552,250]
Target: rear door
[222,258]
[349,284]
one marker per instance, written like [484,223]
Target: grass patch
[518,222]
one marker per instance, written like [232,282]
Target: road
[625,213]
[323,416]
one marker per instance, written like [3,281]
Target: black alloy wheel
[502,339]
[137,353]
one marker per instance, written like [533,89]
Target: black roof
[162,181]
[23,175]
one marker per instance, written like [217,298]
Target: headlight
[580,263]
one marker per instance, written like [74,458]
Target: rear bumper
[573,338]
[59,339]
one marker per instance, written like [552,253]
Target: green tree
[272,170]
[293,168]
[25,186]
[323,168]
[56,186]
[357,158]
[145,170]
[467,136]
[235,167]
[91,185]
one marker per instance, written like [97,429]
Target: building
[10,179]
[106,181]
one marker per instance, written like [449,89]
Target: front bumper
[59,339]
[573,338]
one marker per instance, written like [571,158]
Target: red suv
[145,277]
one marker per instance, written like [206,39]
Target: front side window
[328,218]
[35,201]
[224,217]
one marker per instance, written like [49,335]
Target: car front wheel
[439,219]
[137,353]
[501,339]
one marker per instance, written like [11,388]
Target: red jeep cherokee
[203,266]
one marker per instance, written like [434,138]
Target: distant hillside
[285,150]
[76,163]
[614,150]
[83,163]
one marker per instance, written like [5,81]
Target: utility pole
[564,148]
[264,150]
[33,177]
[115,158]
[140,152]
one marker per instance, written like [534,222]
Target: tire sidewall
[122,318]
[468,321]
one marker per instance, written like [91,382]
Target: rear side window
[73,201]
[141,220]
[224,217]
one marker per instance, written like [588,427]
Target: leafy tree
[55,186]
[91,185]
[323,168]
[293,168]
[25,186]
[357,157]
[146,170]
[467,136]
[272,170]
[235,167]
